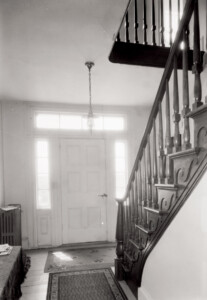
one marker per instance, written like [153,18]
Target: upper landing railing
[150,22]
[147,32]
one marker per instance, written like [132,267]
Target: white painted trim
[143,294]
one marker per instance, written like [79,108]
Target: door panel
[82,180]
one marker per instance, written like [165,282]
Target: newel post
[204,74]
[119,272]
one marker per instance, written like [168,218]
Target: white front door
[82,182]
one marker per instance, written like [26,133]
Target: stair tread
[129,256]
[136,245]
[156,210]
[147,231]
[198,111]
[184,153]
[166,186]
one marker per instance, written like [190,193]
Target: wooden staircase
[171,158]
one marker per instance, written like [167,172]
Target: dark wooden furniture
[10,226]
[12,274]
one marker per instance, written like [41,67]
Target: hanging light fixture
[90,117]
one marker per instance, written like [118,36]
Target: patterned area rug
[79,259]
[84,285]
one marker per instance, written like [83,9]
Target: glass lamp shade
[90,120]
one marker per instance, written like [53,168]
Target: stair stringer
[189,167]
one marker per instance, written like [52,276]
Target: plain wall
[177,267]
[1,162]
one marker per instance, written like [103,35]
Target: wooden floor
[35,285]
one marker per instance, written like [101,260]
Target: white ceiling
[44,45]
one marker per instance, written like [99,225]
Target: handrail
[188,10]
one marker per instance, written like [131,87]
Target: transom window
[78,122]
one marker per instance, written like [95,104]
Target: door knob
[103,195]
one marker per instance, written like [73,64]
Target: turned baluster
[136,218]
[204,85]
[153,28]
[170,22]
[144,23]
[132,211]
[136,24]
[187,37]
[176,116]
[162,28]
[186,109]
[178,12]
[140,184]
[154,153]
[125,225]
[149,174]
[128,214]
[119,238]
[127,28]
[197,67]
[154,157]
[144,192]
[118,38]
[136,196]
[168,138]
[161,147]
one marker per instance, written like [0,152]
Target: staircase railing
[147,33]
[154,194]
[150,22]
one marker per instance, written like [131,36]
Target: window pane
[98,123]
[42,182]
[43,199]
[42,165]
[120,192]
[120,165]
[113,123]
[47,121]
[42,149]
[120,150]
[120,180]
[120,168]
[77,122]
[70,122]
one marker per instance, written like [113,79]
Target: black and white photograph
[103,149]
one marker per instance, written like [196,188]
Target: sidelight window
[43,198]
[120,168]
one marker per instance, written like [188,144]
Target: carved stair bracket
[185,165]
[200,128]
[167,195]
